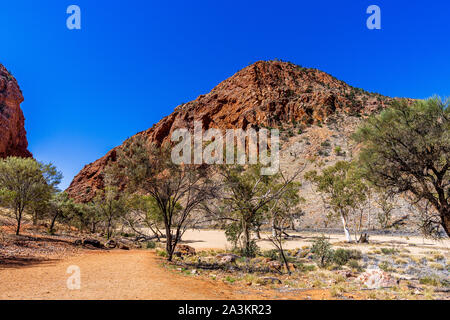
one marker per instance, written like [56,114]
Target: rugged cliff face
[265,94]
[13,140]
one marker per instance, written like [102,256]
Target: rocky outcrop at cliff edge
[13,140]
[264,94]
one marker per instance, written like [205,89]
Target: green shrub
[251,252]
[355,254]
[385,266]
[354,264]
[230,279]
[305,267]
[337,150]
[388,251]
[321,249]
[341,256]
[151,245]
[127,235]
[430,281]
[161,253]
[271,254]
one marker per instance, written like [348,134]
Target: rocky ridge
[265,94]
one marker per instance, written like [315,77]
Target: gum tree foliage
[40,207]
[343,188]
[60,207]
[24,182]
[282,211]
[406,150]
[386,205]
[322,251]
[109,204]
[246,197]
[178,190]
[84,216]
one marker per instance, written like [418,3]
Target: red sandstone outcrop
[265,94]
[13,140]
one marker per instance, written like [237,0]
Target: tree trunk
[246,237]
[286,263]
[19,220]
[258,233]
[170,250]
[169,244]
[108,229]
[346,232]
[52,225]
[445,216]
[18,227]
[369,212]
[274,230]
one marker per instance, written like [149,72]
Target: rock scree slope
[264,94]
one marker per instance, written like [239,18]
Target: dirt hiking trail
[124,275]
[108,275]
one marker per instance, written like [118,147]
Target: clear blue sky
[134,61]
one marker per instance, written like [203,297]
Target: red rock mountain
[13,140]
[264,94]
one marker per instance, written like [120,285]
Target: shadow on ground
[23,262]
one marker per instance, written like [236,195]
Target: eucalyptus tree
[247,198]
[24,182]
[178,189]
[406,151]
[344,190]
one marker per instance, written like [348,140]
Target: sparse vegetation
[146,200]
